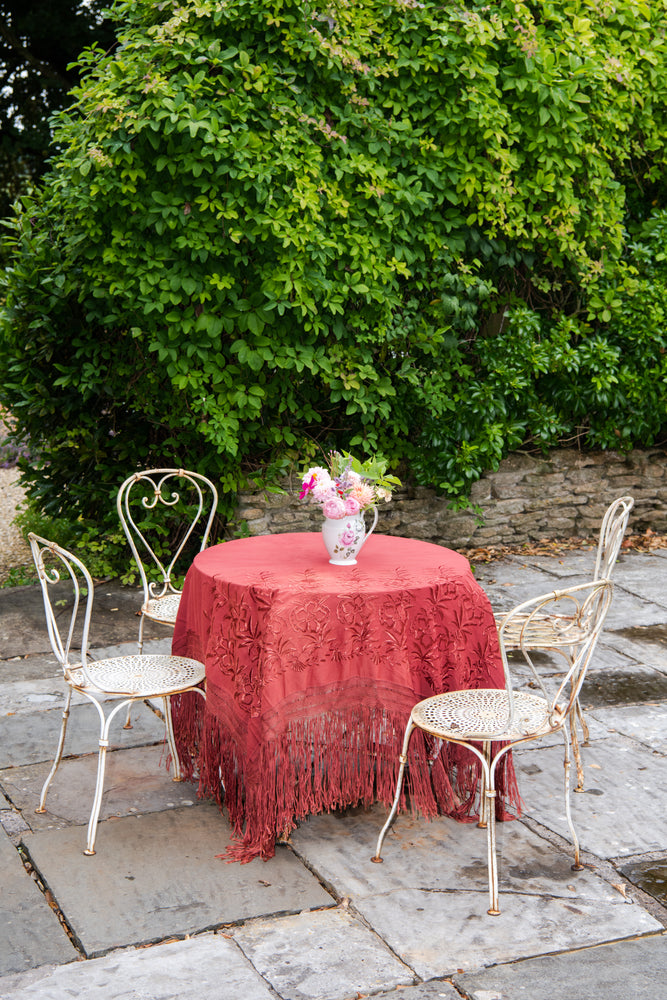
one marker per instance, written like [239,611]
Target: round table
[312,670]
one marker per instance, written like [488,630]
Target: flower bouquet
[344,491]
[348,486]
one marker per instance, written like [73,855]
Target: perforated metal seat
[126,678]
[482,712]
[162,609]
[137,676]
[490,722]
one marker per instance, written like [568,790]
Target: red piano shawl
[312,671]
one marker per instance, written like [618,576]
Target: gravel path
[14,551]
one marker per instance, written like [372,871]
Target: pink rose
[347,537]
[352,505]
[335,508]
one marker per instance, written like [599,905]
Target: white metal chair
[490,722]
[127,678]
[196,499]
[546,627]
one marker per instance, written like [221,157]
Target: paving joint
[49,898]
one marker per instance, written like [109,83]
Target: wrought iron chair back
[75,620]
[489,722]
[574,618]
[141,493]
[612,530]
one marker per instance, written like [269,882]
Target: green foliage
[19,576]
[373,469]
[400,228]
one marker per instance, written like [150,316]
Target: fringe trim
[331,762]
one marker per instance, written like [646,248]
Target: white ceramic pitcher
[344,536]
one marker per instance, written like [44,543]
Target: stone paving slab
[114,620]
[35,695]
[209,967]
[645,723]
[44,666]
[637,685]
[507,585]
[429,898]
[28,738]
[440,855]
[439,934]
[631,970]
[648,645]
[159,875]
[638,576]
[328,955]
[607,656]
[136,782]
[44,693]
[47,689]
[30,932]
[32,695]
[29,668]
[627,607]
[607,665]
[616,815]
[563,565]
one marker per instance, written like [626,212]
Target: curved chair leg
[489,772]
[579,787]
[584,725]
[577,866]
[483,800]
[97,801]
[101,766]
[171,739]
[140,645]
[41,808]
[399,784]
[488,808]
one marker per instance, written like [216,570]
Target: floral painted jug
[344,536]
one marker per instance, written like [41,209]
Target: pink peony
[335,508]
[352,505]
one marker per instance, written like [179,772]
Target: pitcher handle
[372,527]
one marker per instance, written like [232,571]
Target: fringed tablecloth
[312,671]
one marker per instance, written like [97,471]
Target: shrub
[397,228]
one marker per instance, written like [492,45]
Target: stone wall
[529,498]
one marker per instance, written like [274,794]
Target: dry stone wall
[529,498]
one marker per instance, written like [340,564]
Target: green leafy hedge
[430,231]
